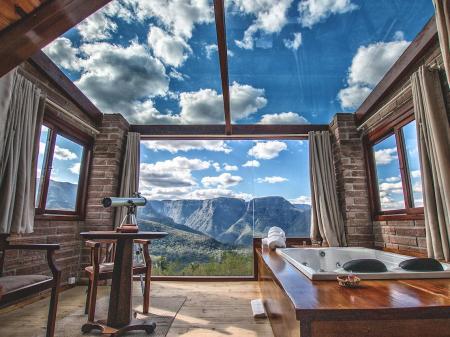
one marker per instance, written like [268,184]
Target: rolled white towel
[276,231]
[265,242]
[276,242]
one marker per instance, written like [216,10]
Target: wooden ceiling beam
[240,131]
[33,32]
[219,12]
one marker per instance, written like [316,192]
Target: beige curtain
[433,133]
[442,8]
[6,86]
[326,217]
[129,183]
[17,171]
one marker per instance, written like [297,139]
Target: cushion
[108,267]
[365,266]
[12,283]
[421,264]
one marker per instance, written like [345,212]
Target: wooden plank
[418,47]
[240,131]
[33,32]
[50,69]
[219,12]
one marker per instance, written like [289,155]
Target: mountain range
[231,220]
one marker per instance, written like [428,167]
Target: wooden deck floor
[211,309]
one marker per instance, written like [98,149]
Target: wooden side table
[120,319]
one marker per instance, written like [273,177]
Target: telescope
[129,222]
[124,202]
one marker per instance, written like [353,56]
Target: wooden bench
[16,287]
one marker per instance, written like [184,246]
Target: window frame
[392,127]
[56,127]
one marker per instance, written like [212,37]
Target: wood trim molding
[33,32]
[418,47]
[240,131]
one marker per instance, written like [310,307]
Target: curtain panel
[129,183]
[433,134]
[442,9]
[22,119]
[326,218]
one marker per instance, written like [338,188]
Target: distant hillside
[231,220]
[61,195]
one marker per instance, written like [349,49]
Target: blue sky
[290,61]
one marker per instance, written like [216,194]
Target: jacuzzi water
[326,263]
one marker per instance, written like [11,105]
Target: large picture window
[214,196]
[395,170]
[61,172]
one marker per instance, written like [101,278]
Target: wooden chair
[14,288]
[101,268]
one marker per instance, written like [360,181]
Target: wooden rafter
[219,12]
[240,131]
[33,32]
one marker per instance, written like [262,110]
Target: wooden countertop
[376,299]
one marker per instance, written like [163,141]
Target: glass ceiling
[289,62]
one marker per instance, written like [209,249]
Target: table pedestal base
[135,324]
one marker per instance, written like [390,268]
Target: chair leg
[92,299]
[88,295]
[146,305]
[51,322]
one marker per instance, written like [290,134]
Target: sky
[290,61]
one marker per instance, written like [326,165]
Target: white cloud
[96,27]
[64,154]
[217,167]
[385,156]
[283,118]
[224,180]
[171,49]
[42,148]
[416,174]
[209,193]
[176,172]
[210,49]
[267,150]
[395,187]
[314,11]
[228,167]
[177,16]
[303,199]
[368,67]
[175,146]
[392,179]
[251,163]
[295,43]
[117,78]
[75,168]
[206,105]
[63,53]
[271,180]
[270,17]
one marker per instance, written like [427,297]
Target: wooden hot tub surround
[298,306]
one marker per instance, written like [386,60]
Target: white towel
[276,242]
[276,231]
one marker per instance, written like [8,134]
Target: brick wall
[351,180]
[105,173]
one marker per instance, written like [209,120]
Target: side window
[60,164]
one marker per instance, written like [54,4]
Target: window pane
[412,156]
[43,145]
[388,175]
[213,197]
[63,185]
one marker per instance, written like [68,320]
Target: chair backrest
[107,251]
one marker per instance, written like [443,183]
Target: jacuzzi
[326,263]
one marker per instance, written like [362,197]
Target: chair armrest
[37,246]
[142,241]
[92,244]
[50,248]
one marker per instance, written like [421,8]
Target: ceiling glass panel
[305,60]
[155,61]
